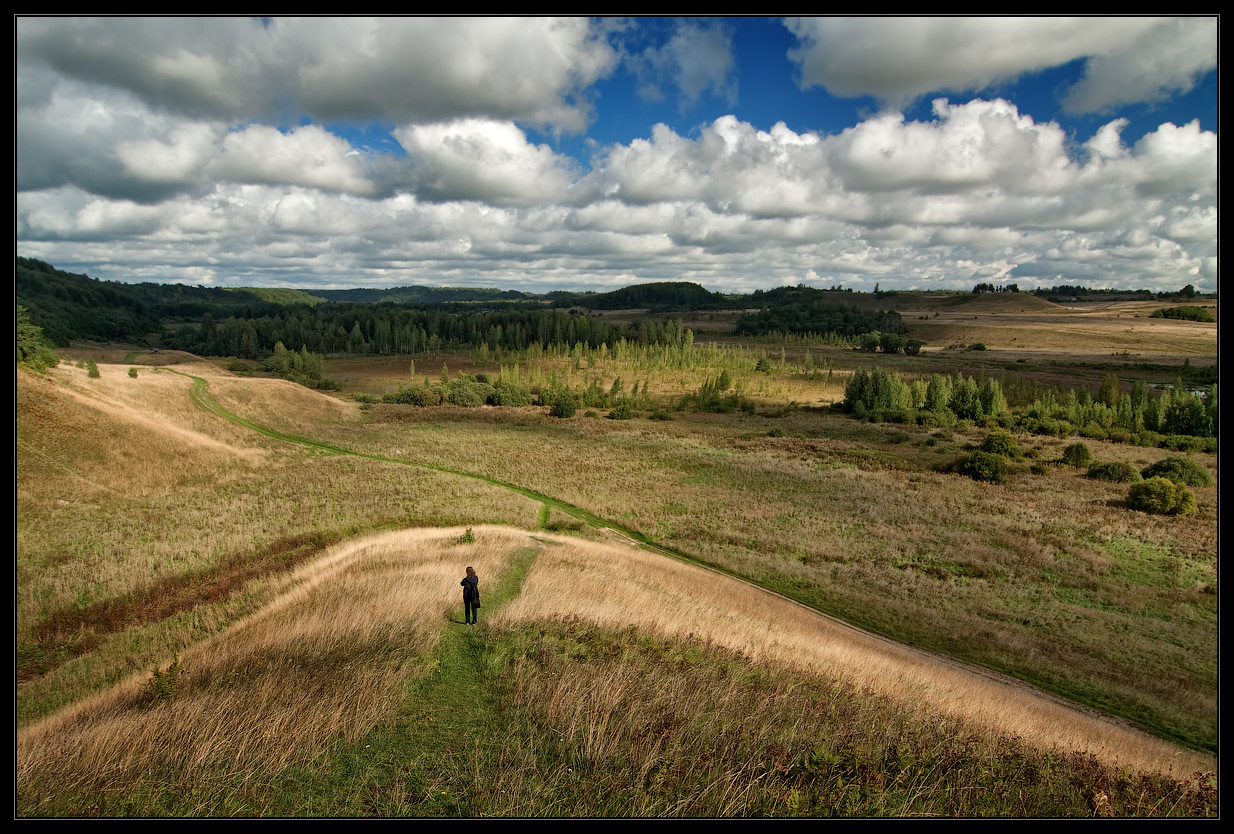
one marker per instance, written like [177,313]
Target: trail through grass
[202,397]
[419,765]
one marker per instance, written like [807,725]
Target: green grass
[568,720]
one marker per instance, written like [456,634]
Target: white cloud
[307,156]
[897,60]
[393,69]
[487,160]
[1165,60]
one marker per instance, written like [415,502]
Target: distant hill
[70,306]
[426,295]
[664,295]
[281,295]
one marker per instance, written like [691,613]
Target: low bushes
[1180,470]
[1117,472]
[982,466]
[1161,496]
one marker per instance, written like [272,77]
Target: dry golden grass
[324,661]
[71,427]
[617,586]
[1096,329]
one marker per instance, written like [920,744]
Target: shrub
[510,395]
[328,383]
[1001,443]
[622,411]
[132,373]
[1186,443]
[561,403]
[1161,496]
[239,366]
[912,347]
[659,414]
[470,394]
[1183,471]
[1119,473]
[1077,455]
[422,395]
[983,466]
[92,370]
[891,342]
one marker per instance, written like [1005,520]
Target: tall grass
[618,587]
[321,664]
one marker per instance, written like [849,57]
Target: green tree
[32,349]
[1109,391]
[1077,455]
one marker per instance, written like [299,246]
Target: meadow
[292,591]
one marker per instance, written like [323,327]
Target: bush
[510,395]
[132,373]
[983,466]
[561,403]
[1182,471]
[622,411]
[1119,473]
[470,394]
[1161,496]
[1001,443]
[92,370]
[1188,443]
[912,347]
[1077,455]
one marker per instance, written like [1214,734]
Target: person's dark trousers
[470,610]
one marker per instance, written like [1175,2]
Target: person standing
[471,595]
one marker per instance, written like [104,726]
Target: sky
[591,154]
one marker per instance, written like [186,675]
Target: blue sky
[582,153]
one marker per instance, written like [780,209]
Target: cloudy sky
[540,154]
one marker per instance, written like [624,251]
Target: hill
[313,602]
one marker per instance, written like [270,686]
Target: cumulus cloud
[392,69]
[483,159]
[898,60]
[1165,60]
[308,156]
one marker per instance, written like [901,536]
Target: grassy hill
[222,611]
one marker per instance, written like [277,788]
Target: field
[236,595]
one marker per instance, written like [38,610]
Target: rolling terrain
[286,564]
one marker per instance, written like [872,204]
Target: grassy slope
[708,468]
